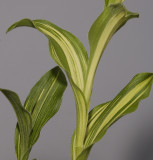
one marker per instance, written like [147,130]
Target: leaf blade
[76,59]
[106,25]
[24,122]
[70,54]
[44,100]
[125,102]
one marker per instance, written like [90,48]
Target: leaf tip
[61,77]
[24,22]
[11,28]
[130,14]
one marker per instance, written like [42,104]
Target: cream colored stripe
[131,103]
[35,115]
[96,116]
[98,51]
[126,99]
[81,127]
[67,47]
[123,102]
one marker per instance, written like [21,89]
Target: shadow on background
[142,146]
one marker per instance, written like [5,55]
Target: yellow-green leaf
[103,116]
[65,48]
[111,19]
[82,118]
[70,54]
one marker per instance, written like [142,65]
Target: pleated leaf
[95,113]
[42,103]
[24,123]
[70,54]
[66,49]
[44,100]
[110,20]
[103,116]
[122,104]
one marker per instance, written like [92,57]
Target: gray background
[24,58]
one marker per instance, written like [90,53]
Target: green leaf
[67,51]
[70,54]
[103,116]
[22,23]
[42,103]
[111,19]
[44,100]
[24,122]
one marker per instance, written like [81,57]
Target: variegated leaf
[103,116]
[69,53]
[42,103]
[66,49]
[82,118]
[111,19]
[44,100]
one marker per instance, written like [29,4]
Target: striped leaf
[111,19]
[24,125]
[81,104]
[103,116]
[66,49]
[70,54]
[44,100]
[42,103]
[94,114]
